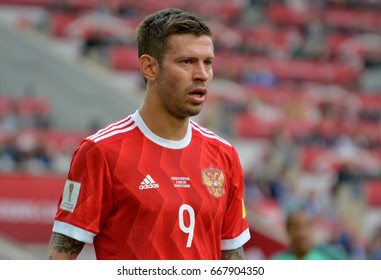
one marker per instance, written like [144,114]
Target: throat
[173,133]
[169,128]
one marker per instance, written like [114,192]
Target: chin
[191,113]
[185,111]
[195,110]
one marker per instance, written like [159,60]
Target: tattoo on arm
[236,254]
[64,245]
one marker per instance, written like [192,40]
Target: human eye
[186,61]
[208,62]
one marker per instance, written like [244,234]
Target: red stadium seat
[6,105]
[326,72]
[229,64]
[123,58]
[62,139]
[228,10]
[150,6]
[372,130]
[266,34]
[80,4]
[373,193]
[335,43]
[353,19]
[283,15]
[370,102]
[308,156]
[249,126]
[298,127]
[59,21]
[319,158]
[41,3]
[34,105]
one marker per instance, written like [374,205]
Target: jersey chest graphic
[207,183]
[214,180]
[178,209]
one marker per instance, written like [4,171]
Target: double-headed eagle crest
[214,180]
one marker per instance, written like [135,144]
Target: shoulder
[209,135]
[114,131]
[99,143]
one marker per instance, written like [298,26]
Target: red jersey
[138,196]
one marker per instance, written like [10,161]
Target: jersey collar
[159,140]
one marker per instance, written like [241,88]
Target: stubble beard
[176,107]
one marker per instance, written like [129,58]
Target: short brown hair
[153,32]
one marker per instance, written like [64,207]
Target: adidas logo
[148,183]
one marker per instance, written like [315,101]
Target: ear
[148,67]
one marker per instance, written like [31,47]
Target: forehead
[189,45]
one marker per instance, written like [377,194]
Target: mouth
[197,96]
[199,92]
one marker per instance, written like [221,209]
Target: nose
[201,72]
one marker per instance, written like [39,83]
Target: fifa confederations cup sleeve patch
[70,195]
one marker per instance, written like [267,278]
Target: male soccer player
[156,185]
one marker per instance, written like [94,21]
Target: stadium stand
[305,122]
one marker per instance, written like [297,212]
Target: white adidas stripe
[113,124]
[209,134]
[114,132]
[123,123]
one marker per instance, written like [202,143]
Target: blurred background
[297,89]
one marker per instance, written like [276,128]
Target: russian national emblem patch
[214,180]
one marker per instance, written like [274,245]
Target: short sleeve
[235,228]
[87,198]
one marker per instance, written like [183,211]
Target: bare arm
[236,254]
[62,247]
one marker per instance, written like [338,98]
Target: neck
[163,124]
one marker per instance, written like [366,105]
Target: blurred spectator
[25,141]
[264,110]
[65,6]
[313,204]
[300,227]
[299,6]
[60,162]
[9,156]
[122,8]
[253,190]
[29,151]
[283,160]
[314,33]
[29,111]
[257,74]
[94,44]
[10,120]
[294,41]
[350,240]
[292,199]
[374,247]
